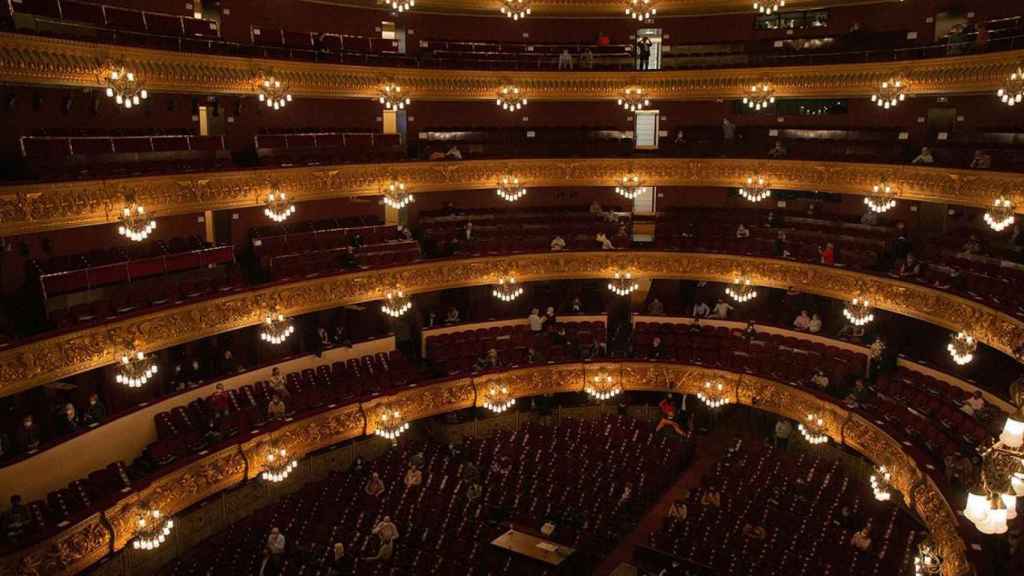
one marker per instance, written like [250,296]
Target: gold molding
[51,359]
[80,546]
[603,8]
[38,60]
[39,207]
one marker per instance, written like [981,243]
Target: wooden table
[531,546]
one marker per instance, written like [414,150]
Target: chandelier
[396,303]
[390,425]
[391,97]
[882,199]
[276,328]
[858,311]
[760,97]
[497,399]
[756,189]
[277,206]
[1002,474]
[881,483]
[124,88]
[890,93]
[1013,93]
[634,98]
[135,369]
[629,188]
[278,466]
[274,94]
[713,394]
[507,290]
[396,197]
[509,189]
[990,511]
[769,6]
[135,225]
[602,386]
[623,284]
[961,347]
[400,5]
[640,9]
[152,529]
[813,429]
[1000,215]
[511,98]
[741,291]
[927,562]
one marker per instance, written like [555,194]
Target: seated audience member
[861,540]
[374,486]
[67,422]
[779,246]
[750,332]
[219,400]
[385,530]
[276,408]
[722,309]
[229,364]
[815,324]
[669,415]
[603,240]
[742,231]
[981,161]
[474,491]
[339,338]
[273,552]
[627,495]
[338,556]
[680,136]
[536,321]
[827,254]
[802,322]
[925,157]
[277,383]
[678,511]
[595,208]
[711,498]
[754,532]
[975,405]
[576,306]
[656,307]
[16,521]
[26,438]
[657,350]
[587,60]
[565,60]
[783,430]
[701,310]
[385,552]
[910,267]
[452,317]
[325,338]
[95,412]
[820,380]
[550,319]
[453,153]
[778,150]
[557,244]
[858,394]
[972,246]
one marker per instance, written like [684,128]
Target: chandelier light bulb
[396,197]
[756,189]
[516,9]
[1000,215]
[511,98]
[962,347]
[858,312]
[507,290]
[124,88]
[760,96]
[813,429]
[509,189]
[641,10]
[390,424]
[498,399]
[623,284]
[277,207]
[713,394]
[401,5]
[276,329]
[634,98]
[769,6]
[630,187]
[890,93]
[273,93]
[1012,93]
[134,225]
[396,303]
[882,198]
[151,530]
[602,387]
[741,291]
[278,466]
[392,98]
[880,484]
[135,369]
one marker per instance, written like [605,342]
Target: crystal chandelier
[391,97]
[741,291]
[882,199]
[507,290]
[640,9]
[135,225]
[400,5]
[760,96]
[278,466]
[989,511]
[769,6]
[277,207]
[390,424]
[813,429]
[396,197]
[881,484]
[124,88]
[756,189]
[634,98]
[135,369]
[1013,93]
[511,98]
[509,189]
[927,562]
[890,93]
[276,328]
[274,94]
[623,284]
[396,303]
[1002,474]
[962,347]
[858,311]
[497,399]
[1000,215]
[516,9]
[152,529]
[713,394]
[602,386]
[629,188]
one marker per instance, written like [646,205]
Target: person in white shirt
[386,530]
[819,379]
[606,244]
[536,321]
[454,153]
[557,244]
[742,231]
[974,404]
[925,157]
[277,383]
[802,322]
[814,326]
[565,60]
[273,552]
[701,310]
[722,309]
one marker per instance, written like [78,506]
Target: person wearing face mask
[67,422]
[95,413]
[27,437]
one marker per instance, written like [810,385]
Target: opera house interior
[512,287]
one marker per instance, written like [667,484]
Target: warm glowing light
[276,328]
[507,290]
[498,399]
[516,9]
[630,187]
[890,93]
[1000,215]
[135,369]
[396,303]
[813,429]
[273,93]
[881,483]
[641,9]
[858,311]
[400,5]
[713,394]
[623,284]
[390,424]
[278,466]
[756,189]
[962,348]
[634,98]
[741,291]
[151,529]
[392,98]
[277,207]
[509,189]
[602,386]
[1012,93]
[760,96]
[511,98]
[395,195]
[882,198]
[769,6]
[134,224]
[124,88]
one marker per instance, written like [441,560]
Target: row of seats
[328,147]
[117,17]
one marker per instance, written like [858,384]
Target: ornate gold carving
[69,552]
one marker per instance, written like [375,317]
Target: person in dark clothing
[95,413]
[26,439]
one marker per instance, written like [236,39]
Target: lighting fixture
[641,9]
[390,424]
[516,9]
[890,93]
[634,98]
[858,311]
[1000,215]
[962,347]
[629,188]
[124,88]
[392,98]
[927,562]
[813,429]
[396,303]
[1001,483]
[135,369]
[989,511]
[277,207]
[602,386]
[1013,92]
[882,198]
[395,195]
[881,483]
[400,5]
[623,284]
[713,394]
[497,398]
[273,93]
[509,189]
[278,466]
[761,96]
[769,6]
[756,189]
[507,290]
[741,291]
[152,529]
[135,225]
[276,328]
[511,98]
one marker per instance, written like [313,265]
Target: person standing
[273,552]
